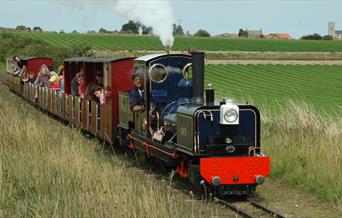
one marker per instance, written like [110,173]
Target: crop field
[132,42]
[273,86]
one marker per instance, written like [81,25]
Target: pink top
[81,90]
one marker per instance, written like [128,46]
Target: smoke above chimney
[157,14]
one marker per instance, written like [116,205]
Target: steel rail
[236,209]
[253,203]
[264,208]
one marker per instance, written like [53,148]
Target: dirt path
[293,201]
[285,62]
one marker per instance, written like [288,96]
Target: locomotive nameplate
[185,132]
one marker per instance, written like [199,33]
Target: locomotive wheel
[194,175]
[122,138]
[141,157]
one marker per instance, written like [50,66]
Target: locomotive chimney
[198,77]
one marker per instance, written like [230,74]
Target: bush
[202,33]
[327,37]
[314,36]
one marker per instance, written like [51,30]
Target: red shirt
[81,90]
[55,86]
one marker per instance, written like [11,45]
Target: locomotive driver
[136,95]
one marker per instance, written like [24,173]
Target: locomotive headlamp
[229,113]
[231,116]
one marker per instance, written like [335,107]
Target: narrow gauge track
[3,81]
[260,209]
[231,205]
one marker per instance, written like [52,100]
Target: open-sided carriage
[31,66]
[99,119]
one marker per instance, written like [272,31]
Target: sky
[296,17]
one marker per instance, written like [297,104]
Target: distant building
[227,35]
[336,34]
[254,34]
[278,36]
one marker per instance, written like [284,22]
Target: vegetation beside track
[134,42]
[306,149]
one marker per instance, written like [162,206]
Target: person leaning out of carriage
[20,67]
[136,95]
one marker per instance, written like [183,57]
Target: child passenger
[61,77]
[43,77]
[54,83]
[81,85]
[96,93]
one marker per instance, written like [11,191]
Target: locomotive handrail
[252,149]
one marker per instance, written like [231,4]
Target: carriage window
[157,73]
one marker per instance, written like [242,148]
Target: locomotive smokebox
[198,77]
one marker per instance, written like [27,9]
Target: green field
[132,42]
[272,86]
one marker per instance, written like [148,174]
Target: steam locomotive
[215,144]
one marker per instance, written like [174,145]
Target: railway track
[250,208]
[3,81]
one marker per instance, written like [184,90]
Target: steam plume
[157,14]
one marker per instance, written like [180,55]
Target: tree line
[131,27]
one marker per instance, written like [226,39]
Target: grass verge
[306,150]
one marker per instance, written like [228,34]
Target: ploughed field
[273,86]
[134,42]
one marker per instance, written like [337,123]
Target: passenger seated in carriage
[81,85]
[96,93]
[30,78]
[79,78]
[136,95]
[61,78]
[54,83]
[43,77]
[98,82]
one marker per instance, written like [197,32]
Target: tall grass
[50,170]
[306,149]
